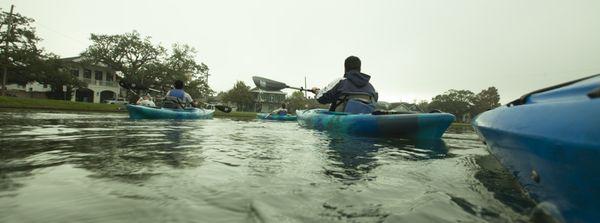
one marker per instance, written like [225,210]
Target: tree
[297,101]
[128,53]
[485,100]
[180,65]
[240,95]
[53,73]
[148,65]
[457,102]
[423,106]
[28,63]
[22,53]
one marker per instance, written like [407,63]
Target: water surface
[97,167]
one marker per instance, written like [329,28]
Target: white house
[267,101]
[102,81]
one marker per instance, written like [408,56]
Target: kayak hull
[143,112]
[267,116]
[414,126]
[552,147]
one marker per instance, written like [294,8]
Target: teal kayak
[143,112]
[268,116]
[550,140]
[414,126]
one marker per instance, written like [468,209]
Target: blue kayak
[550,140]
[277,117]
[416,126]
[143,112]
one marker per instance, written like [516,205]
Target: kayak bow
[549,139]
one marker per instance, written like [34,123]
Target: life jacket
[175,99]
[282,111]
[355,103]
[178,93]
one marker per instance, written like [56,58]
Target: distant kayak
[268,116]
[417,126]
[143,112]
[550,141]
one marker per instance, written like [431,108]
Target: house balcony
[99,82]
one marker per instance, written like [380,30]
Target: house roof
[78,60]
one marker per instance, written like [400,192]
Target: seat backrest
[356,102]
[173,102]
[354,106]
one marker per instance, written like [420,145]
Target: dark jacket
[354,81]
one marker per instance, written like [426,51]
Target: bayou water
[97,167]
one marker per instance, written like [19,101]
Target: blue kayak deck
[419,126]
[143,112]
[277,117]
[551,144]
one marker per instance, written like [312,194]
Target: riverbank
[235,114]
[49,104]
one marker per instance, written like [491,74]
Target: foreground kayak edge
[551,144]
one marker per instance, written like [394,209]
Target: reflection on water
[351,158]
[74,167]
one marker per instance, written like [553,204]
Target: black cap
[352,63]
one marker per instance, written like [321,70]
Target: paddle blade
[132,86]
[267,84]
[223,108]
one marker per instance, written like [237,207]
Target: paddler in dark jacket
[354,84]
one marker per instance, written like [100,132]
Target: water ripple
[57,167]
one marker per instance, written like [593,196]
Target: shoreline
[13,103]
[56,105]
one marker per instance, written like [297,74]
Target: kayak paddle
[271,85]
[223,108]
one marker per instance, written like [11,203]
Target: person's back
[353,87]
[177,97]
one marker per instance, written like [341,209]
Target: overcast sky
[413,50]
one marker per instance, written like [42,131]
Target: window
[98,75]
[75,72]
[87,74]
[45,85]
[109,77]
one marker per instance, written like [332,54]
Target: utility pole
[7,38]
[305,87]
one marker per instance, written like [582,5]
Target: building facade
[102,83]
[30,90]
[267,101]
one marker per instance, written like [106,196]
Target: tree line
[463,102]
[141,62]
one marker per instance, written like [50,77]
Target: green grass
[460,124]
[235,114]
[34,103]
